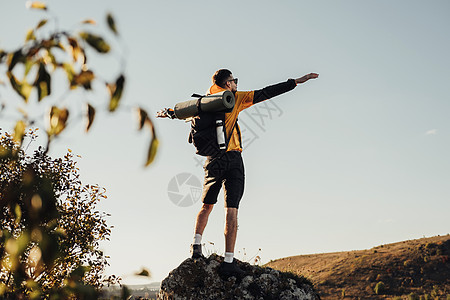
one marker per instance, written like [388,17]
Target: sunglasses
[235,80]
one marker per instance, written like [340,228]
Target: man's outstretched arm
[280,88]
[166,113]
[307,77]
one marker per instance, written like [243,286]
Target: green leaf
[111,23]
[90,116]
[96,42]
[30,35]
[70,74]
[42,82]
[41,23]
[21,88]
[116,91]
[144,272]
[152,150]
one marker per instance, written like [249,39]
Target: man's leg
[231,225]
[200,224]
[202,218]
[233,191]
[228,266]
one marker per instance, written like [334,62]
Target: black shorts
[227,170]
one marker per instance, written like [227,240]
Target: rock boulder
[199,279]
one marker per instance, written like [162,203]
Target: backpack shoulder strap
[238,131]
[199,108]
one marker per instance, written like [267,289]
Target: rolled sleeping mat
[223,101]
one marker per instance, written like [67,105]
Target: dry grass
[418,266]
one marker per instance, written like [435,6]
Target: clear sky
[352,160]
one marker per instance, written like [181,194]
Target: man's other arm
[280,88]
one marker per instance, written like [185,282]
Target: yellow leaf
[70,74]
[36,5]
[84,79]
[116,92]
[19,131]
[30,35]
[58,120]
[76,50]
[89,21]
[28,65]
[41,23]
[26,90]
[152,150]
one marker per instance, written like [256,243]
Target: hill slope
[418,266]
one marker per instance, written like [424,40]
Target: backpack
[208,133]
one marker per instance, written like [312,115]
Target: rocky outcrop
[199,279]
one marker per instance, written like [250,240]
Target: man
[228,169]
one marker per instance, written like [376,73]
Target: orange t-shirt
[243,100]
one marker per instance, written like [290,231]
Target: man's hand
[306,78]
[166,113]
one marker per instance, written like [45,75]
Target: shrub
[49,242]
[435,292]
[413,296]
[380,288]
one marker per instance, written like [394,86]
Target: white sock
[229,257]
[197,239]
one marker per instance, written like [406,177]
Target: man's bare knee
[231,211]
[231,214]
[207,207]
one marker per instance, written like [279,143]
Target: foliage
[50,228]
[413,296]
[50,54]
[380,288]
